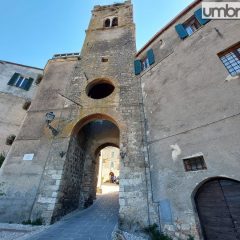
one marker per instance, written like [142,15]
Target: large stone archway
[79,178]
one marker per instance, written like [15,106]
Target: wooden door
[218,206]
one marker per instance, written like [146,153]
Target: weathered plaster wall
[12,100]
[188,102]
[22,178]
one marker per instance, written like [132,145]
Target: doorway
[218,206]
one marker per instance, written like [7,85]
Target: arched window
[107,23]
[115,22]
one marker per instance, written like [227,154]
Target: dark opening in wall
[107,23]
[104,59]
[194,164]
[10,139]
[26,105]
[2,158]
[99,89]
[115,22]
[39,79]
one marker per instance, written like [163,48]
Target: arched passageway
[80,174]
[218,206]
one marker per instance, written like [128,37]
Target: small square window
[194,164]
[231,59]
[104,59]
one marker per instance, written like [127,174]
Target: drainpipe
[145,127]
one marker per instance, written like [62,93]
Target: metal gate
[218,206]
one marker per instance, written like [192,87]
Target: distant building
[18,86]
[110,162]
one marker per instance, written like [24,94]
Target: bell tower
[96,100]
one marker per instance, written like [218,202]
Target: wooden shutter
[137,67]
[150,56]
[181,31]
[198,16]
[28,83]
[13,79]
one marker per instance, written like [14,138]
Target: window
[115,22]
[20,81]
[231,59]
[191,25]
[111,22]
[112,154]
[143,64]
[104,59]
[194,164]
[107,23]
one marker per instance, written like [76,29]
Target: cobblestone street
[95,223]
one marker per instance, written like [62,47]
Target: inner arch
[80,174]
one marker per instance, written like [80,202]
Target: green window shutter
[27,84]
[180,29]
[198,16]
[137,67]
[150,56]
[13,79]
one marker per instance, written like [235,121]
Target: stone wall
[64,92]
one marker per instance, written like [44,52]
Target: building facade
[189,73]
[17,89]
[110,163]
[175,120]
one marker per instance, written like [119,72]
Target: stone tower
[95,98]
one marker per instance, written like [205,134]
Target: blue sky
[33,30]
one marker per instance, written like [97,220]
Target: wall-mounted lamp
[49,118]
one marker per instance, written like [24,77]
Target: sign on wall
[28,157]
